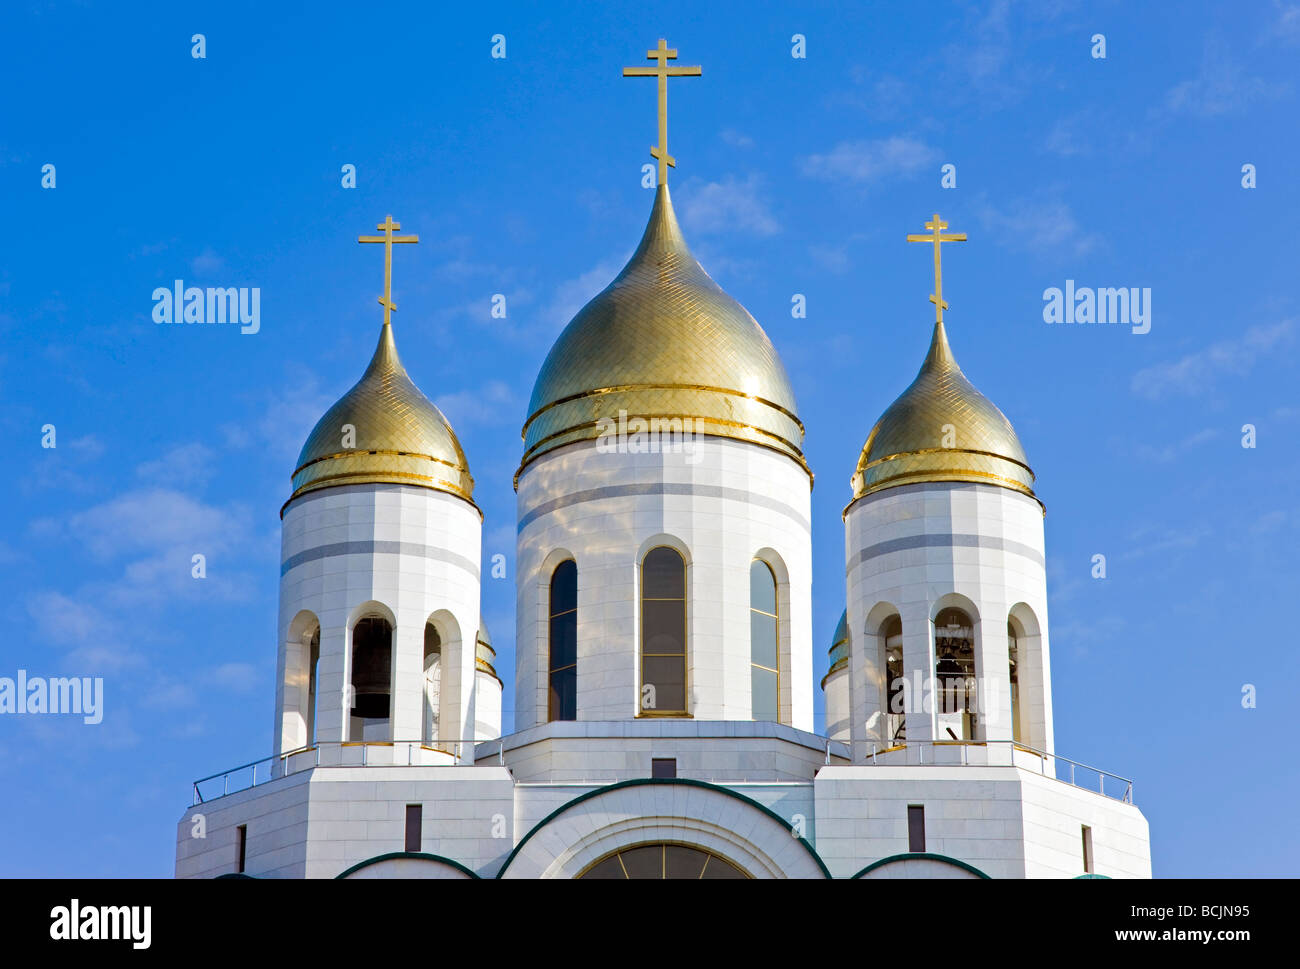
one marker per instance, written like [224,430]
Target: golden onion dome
[839,650]
[396,436]
[484,654]
[942,429]
[663,341]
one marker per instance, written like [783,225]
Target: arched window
[895,682]
[313,665]
[663,632]
[372,669]
[432,681]
[563,693]
[1013,659]
[663,861]
[764,678]
[954,674]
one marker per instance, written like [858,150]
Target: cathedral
[664,656]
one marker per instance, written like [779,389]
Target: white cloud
[490,403]
[206,263]
[238,677]
[736,139]
[1192,373]
[1222,87]
[1167,452]
[573,294]
[185,464]
[871,161]
[729,205]
[1037,225]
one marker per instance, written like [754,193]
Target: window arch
[372,671]
[432,681]
[891,635]
[954,674]
[562,702]
[663,633]
[764,667]
[313,688]
[663,860]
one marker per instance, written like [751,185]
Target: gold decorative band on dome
[839,664]
[784,446]
[486,667]
[383,476]
[946,450]
[626,388]
[359,451]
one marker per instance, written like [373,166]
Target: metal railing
[1049,764]
[293,761]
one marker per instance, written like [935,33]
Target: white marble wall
[403,552]
[916,549]
[721,506]
[1006,821]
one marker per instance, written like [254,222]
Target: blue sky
[522,177]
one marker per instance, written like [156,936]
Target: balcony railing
[1000,753]
[336,753]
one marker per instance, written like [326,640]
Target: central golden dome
[663,341]
[942,429]
[398,436]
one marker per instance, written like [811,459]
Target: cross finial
[388,226]
[662,55]
[936,236]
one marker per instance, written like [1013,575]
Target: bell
[372,656]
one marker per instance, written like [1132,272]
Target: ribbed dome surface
[400,437]
[942,429]
[663,341]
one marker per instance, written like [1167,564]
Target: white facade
[408,555]
[914,550]
[721,505]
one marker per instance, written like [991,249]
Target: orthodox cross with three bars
[388,225]
[663,72]
[937,236]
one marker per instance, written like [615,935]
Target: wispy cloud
[1039,224]
[185,464]
[573,294]
[1192,373]
[1163,453]
[206,262]
[736,139]
[729,205]
[1221,87]
[861,162]
[489,403]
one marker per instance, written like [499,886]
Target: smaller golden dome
[398,436]
[484,654]
[839,650]
[942,429]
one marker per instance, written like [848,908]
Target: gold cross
[937,236]
[388,225]
[663,72]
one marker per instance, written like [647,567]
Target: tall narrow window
[563,694]
[241,835]
[1087,850]
[1013,659]
[895,684]
[372,665]
[915,827]
[763,676]
[313,665]
[954,674]
[663,632]
[432,681]
[413,825]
